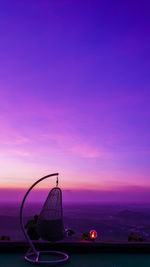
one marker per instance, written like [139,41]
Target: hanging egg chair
[50,222]
[49,225]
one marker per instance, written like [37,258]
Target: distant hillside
[133,215]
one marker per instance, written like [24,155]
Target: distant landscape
[113,222]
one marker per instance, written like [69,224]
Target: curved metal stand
[33,257]
[29,257]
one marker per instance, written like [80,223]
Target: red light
[93,234]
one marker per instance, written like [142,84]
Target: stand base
[31,257]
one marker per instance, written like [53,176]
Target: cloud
[20,153]
[16,139]
[85,151]
[73,144]
[9,135]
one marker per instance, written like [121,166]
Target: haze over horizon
[74,96]
[128,195]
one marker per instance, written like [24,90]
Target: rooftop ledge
[82,246]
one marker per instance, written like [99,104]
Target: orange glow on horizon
[67,182]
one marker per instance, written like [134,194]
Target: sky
[74,96]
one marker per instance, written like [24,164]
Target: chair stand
[29,257]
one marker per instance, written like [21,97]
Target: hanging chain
[57,181]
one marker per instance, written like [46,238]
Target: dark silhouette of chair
[50,225]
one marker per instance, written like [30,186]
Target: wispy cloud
[20,153]
[9,135]
[85,151]
[73,144]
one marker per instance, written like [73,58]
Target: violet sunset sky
[75,94]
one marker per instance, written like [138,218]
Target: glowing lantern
[93,234]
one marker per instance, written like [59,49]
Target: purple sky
[75,94]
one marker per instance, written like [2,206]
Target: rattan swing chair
[50,225]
